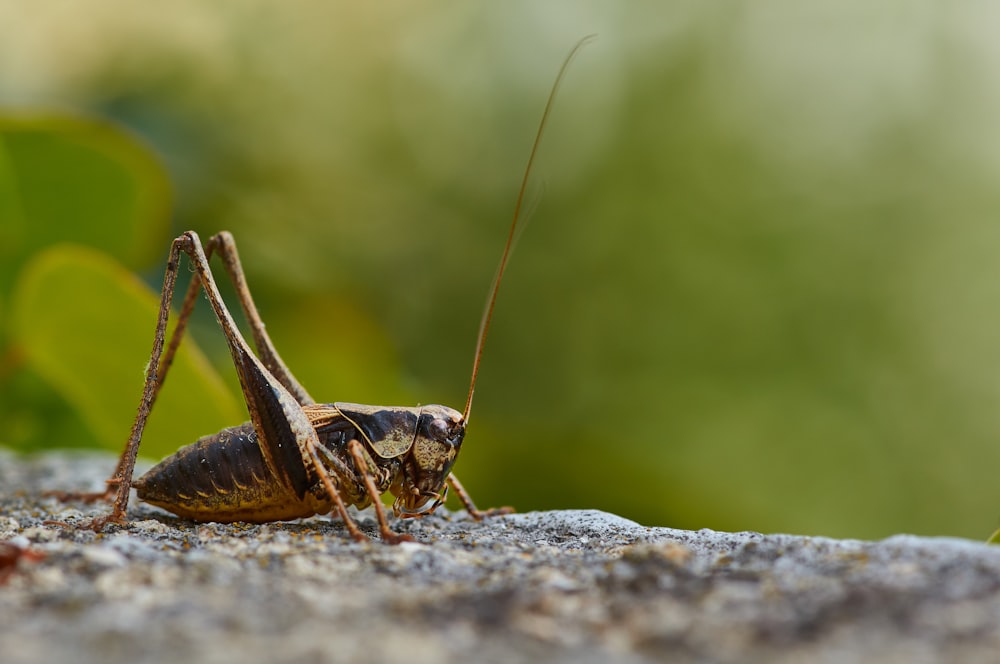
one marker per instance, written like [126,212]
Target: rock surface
[569,586]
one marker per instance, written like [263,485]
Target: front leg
[389,536]
[470,507]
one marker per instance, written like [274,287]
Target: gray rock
[567,586]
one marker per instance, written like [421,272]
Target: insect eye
[439,429]
[445,431]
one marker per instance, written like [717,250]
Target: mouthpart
[422,507]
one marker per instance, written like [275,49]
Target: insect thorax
[337,461]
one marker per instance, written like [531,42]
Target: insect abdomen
[222,477]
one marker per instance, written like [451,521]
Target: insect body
[295,457]
[227,477]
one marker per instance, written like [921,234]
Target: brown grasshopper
[295,457]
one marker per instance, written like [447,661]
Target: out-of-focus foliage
[76,323]
[97,367]
[759,289]
[68,179]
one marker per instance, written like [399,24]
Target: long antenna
[484,325]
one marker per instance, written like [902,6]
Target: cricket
[295,457]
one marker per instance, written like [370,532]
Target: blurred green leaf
[81,180]
[35,415]
[86,325]
[77,179]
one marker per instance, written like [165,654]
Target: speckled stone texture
[568,586]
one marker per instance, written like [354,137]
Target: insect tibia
[222,477]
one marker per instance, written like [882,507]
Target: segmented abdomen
[223,477]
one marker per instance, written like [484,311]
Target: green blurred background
[759,289]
